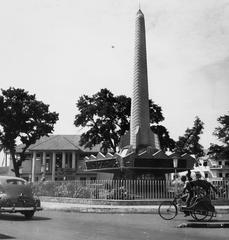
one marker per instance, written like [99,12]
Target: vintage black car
[16,196]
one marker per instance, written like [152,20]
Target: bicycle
[200,208]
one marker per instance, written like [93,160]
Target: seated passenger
[202,187]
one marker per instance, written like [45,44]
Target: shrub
[61,189]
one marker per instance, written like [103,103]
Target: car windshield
[15,181]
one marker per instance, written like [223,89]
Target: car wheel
[29,214]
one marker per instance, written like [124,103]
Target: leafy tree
[189,143]
[166,142]
[222,133]
[24,119]
[107,118]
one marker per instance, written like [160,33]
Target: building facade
[211,169]
[57,157]
[214,169]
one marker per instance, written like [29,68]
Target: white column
[33,167]
[53,166]
[63,159]
[73,160]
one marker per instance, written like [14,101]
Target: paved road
[58,225]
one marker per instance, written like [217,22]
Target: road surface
[58,225]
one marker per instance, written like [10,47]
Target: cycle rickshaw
[201,208]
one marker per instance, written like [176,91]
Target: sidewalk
[101,208]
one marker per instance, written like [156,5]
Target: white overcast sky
[62,49]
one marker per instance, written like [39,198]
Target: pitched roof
[59,142]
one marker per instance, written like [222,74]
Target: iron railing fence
[120,189]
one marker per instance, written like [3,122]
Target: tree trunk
[15,165]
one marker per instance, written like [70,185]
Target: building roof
[147,160]
[59,142]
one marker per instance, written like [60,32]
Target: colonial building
[220,169]
[57,157]
[211,169]
[214,169]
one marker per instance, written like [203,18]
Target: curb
[99,209]
[110,202]
[87,208]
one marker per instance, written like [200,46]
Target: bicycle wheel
[209,216]
[199,215]
[167,210]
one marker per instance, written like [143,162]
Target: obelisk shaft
[140,121]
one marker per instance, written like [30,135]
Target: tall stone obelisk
[140,154]
[140,133]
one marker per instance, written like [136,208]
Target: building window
[58,160]
[227,175]
[28,157]
[205,163]
[220,163]
[226,163]
[68,163]
[220,175]
[206,175]
[38,156]
[48,163]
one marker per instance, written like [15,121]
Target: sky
[63,49]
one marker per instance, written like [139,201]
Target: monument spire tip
[139,8]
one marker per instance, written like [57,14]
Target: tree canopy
[24,119]
[222,133]
[107,117]
[189,143]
